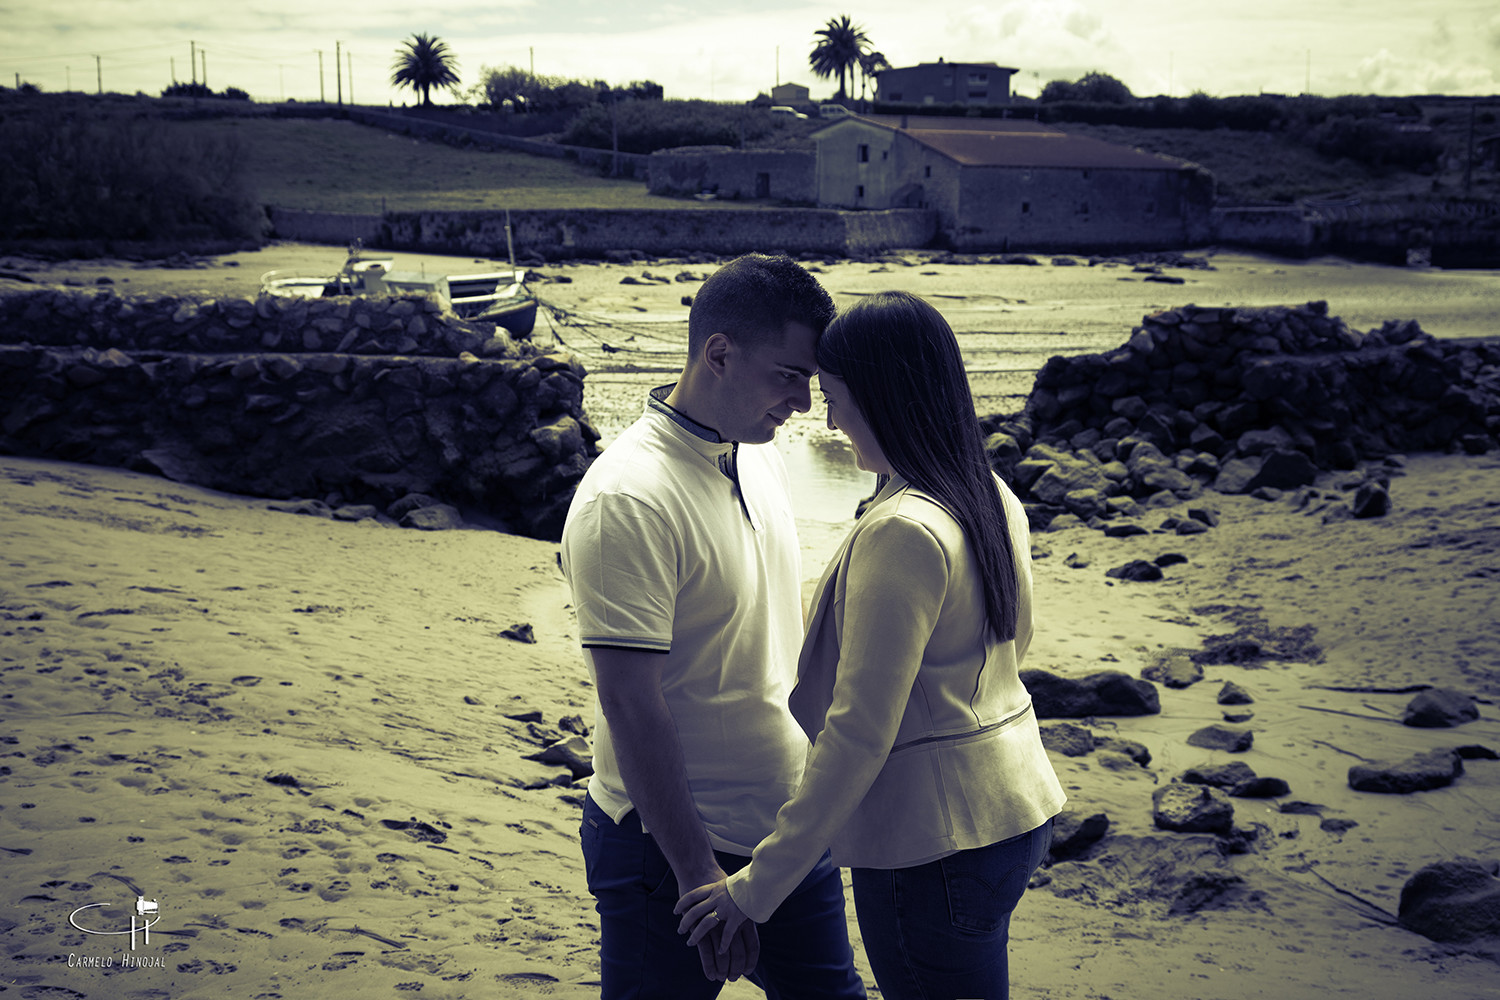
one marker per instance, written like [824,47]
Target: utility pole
[338,71]
[193,59]
[99,73]
[1469,163]
[322,97]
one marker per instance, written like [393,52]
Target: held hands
[728,943]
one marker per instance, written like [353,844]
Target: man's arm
[651,760]
[654,770]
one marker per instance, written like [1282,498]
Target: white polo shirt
[684,545]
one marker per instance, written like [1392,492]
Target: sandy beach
[310,742]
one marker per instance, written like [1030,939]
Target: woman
[927,774]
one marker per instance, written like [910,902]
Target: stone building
[785,176]
[998,184]
[945,83]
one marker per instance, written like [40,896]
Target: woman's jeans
[939,931]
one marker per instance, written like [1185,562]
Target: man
[682,554]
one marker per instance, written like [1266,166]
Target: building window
[864,153]
[885,154]
[1150,208]
[978,78]
[927,170]
[1025,208]
[859,191]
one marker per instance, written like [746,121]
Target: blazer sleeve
[897,577]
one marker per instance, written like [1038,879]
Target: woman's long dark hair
[902,364]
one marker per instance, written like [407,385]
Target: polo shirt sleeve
[622,565]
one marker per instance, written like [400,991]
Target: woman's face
[844,416]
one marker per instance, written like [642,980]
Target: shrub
[88,177]
[646,126]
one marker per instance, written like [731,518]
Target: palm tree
[839,46]
[870,63]
[423,63]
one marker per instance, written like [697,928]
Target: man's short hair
[753,298]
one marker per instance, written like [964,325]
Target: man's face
[763,386]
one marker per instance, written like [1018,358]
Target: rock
[314,508]
[1170,559]
[1232,694]
[573,753]
[1174,672]
[1108,692]
[1076,561]
[1237,718]
[1370,500]
[1236,475]
[1423,772]
[1073,834]
[356,512]
[1218,775]
[408,503]
[1137,570]
[1124,530]
[1068,740]
[1135,752]
[1331,825]
[1153,471]
[1217,737]
[1192,809]
[1284,470]
[438,517]
[1440,708]
[1453,901]
[1260,788]
[519,633]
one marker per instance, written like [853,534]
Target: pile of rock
[1240,400]
[349,401]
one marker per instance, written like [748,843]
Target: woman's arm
[897,579]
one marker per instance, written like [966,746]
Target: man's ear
[716,352]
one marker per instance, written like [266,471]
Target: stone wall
[1239,400]
[388,402]
[566,233]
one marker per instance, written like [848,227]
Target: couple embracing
[743,755]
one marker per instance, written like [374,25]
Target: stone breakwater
[1239,401]
[388,405]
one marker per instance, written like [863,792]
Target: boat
[498,297]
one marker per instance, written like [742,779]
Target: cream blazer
[924,739]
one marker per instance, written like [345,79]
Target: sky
[727,52]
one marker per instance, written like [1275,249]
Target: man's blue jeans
[804,947]
[940,930]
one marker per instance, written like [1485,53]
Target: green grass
[338,166]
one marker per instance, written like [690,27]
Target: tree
[1096,88]
[870,63]
[840,44]
[423,63]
